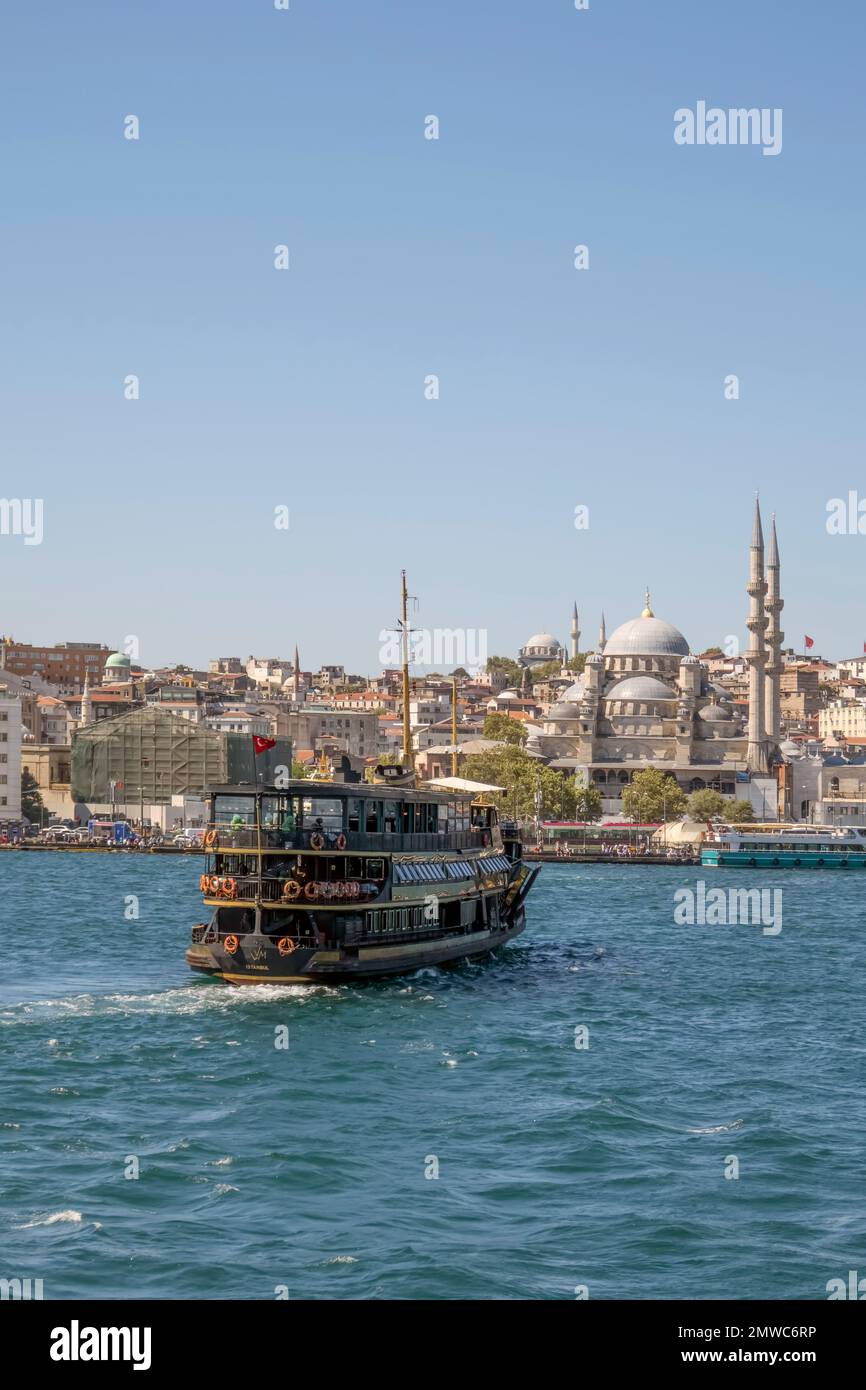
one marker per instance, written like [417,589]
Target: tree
[460,672]
[504,666]
[713,651]
[587,803]
[32,806]
[706,804]
[653,795]
[545,671]
[739,812]
[577,663]
[504,729]
[522,777]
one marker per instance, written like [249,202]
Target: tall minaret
[575,633]
[602,634]
[296,675]
[86,702]
[756,656]
[773,606]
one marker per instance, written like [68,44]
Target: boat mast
[407,735]
[453,726]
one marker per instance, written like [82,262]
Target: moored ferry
[321,881]
[777,846]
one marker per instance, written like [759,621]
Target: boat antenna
[407,736]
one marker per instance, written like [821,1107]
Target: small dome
[543,640]
[789,749]
[690,660]
[574,693]
[641,688]
[564,709]
[646,636]
[118,660]
[714,714]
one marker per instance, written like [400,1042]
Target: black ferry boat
[320,881]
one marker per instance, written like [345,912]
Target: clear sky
[410,257]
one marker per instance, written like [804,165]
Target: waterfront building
[842,719]
[10,758]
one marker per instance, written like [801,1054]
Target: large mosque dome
[646,636]
[640,688]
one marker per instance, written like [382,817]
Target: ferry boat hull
[257,962]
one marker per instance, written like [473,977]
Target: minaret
[602,633]
[575,633]
[296,675]
[773,605]
[756,656]
[86,702]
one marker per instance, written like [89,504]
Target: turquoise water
[305,1168]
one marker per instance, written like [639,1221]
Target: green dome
[117,659]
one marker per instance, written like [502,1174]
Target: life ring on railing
[356,890]
[286,946]
[211,840]
[317,841]
[215,884]
[291,890]
[230,888]
[203,883]
[340,841]
[311,890]
[231,944]
[326,890]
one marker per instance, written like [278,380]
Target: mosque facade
[645,700]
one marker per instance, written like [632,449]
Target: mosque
[645,700]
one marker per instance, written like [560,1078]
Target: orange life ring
[317,841]
[215,884]
[312,890]
[291,890]
[203,883]
[286,946]
[231,944]
[211,839]
[230,888]
[341,841]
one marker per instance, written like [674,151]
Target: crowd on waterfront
[613,850]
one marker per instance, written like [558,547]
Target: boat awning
[461,784]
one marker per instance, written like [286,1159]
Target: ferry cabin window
[237,810]
[238,920]
[408,817]
[373,811]
[280,812]
[376,868]
[327,809]
[354,817]
[389,823]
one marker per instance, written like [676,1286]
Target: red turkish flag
[810,642]
[261,745]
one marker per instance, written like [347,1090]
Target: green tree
[653,795]
[32,806]
[577,663]
[706,804]
[587,803]
[504,666]
[504,729]
[522,777]
[740,812]
[545,671]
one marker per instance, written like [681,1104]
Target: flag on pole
[810,642]
[261,745]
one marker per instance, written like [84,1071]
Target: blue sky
[410,257]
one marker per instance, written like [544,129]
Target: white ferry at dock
[781,846]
